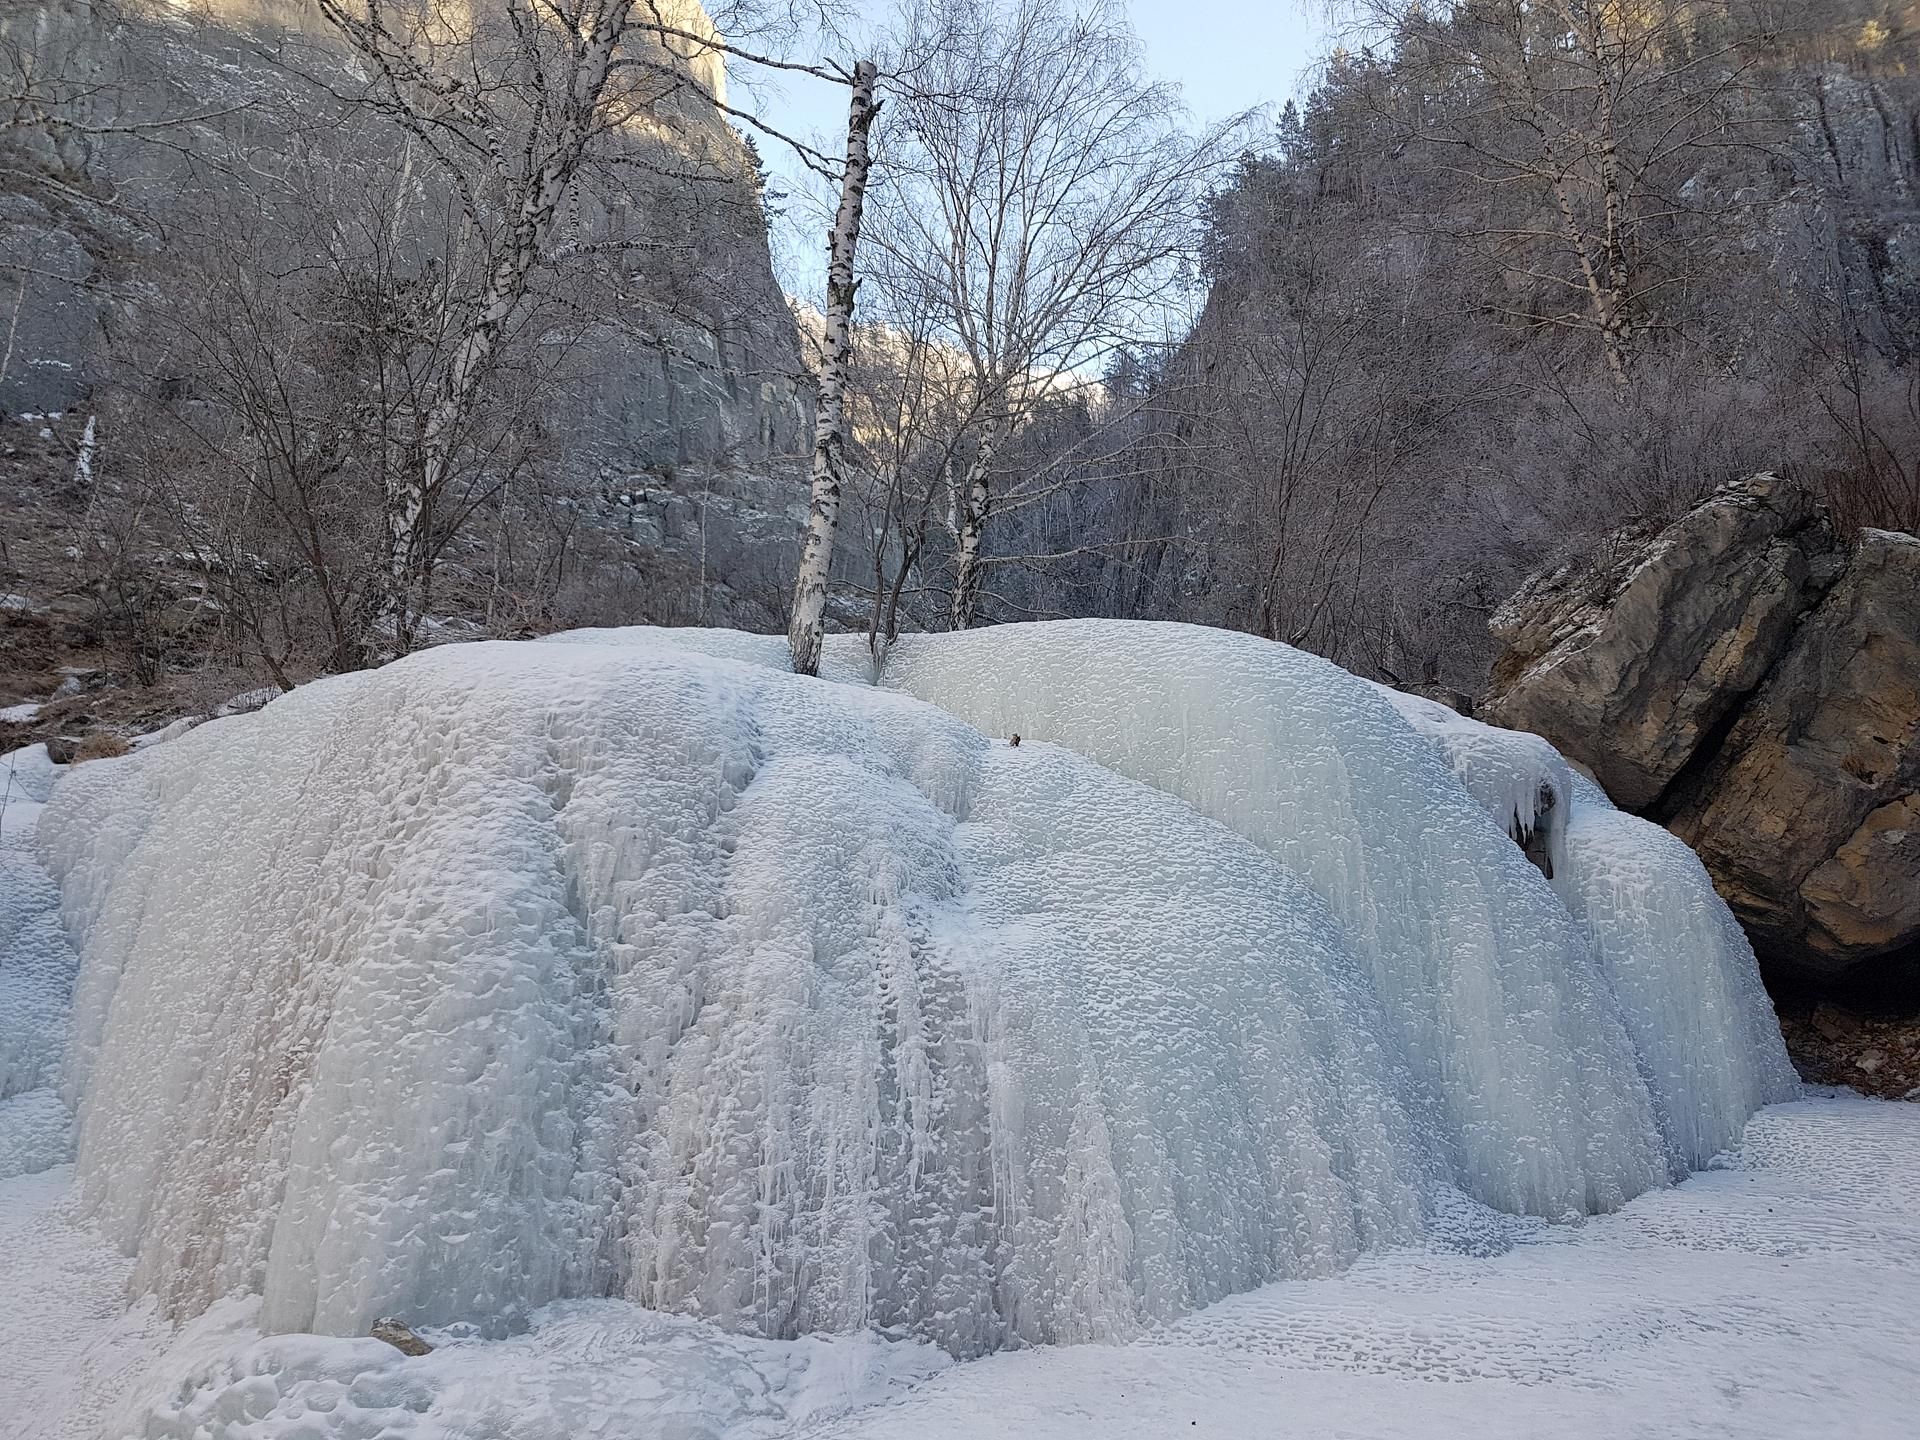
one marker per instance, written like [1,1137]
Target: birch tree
[506,114]
[1038,201]
[508,103]
[829,436]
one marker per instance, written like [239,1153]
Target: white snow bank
[517,972]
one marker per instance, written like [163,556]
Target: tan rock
[1804,815]
[1867,897]
[1754,684]
[401,1336]
[1629,665]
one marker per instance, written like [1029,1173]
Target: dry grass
[101,745]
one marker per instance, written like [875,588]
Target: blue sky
[1226,55]
[1229,55]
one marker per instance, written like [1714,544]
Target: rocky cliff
[701,365]
[680,381]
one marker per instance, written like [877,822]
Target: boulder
[1629,664]
[401,1336]
[1753,683]
[1808,815]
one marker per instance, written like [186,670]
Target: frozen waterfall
[635,966]
[1689,987]
[1523,1080]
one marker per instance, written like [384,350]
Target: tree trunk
[1610,282]
[1617,318]
[807,629]
[975,504]
[412,488]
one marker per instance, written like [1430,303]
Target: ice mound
[1708,1042]
[1689,987]
[1166,703]
[1524,1079]
[632,966]
[517,972]
[37,968]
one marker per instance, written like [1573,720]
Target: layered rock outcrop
[1753,681]
[1808,815]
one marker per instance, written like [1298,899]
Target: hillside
[194,192]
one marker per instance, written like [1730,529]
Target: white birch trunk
[806,631]
[412,489]
[83,462]
[977,501]
[1616,318]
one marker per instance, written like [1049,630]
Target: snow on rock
[510,973]
[1586,791]
[1525,1082]
[1519,779]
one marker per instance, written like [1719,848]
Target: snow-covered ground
[1775,1297]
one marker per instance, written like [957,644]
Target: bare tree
[507,112]
[1570,118]
[1036,203]
[829,437]
[509,104]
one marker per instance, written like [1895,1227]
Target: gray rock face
[695,360]
[47,317]
[1629,666]
[1756,686]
